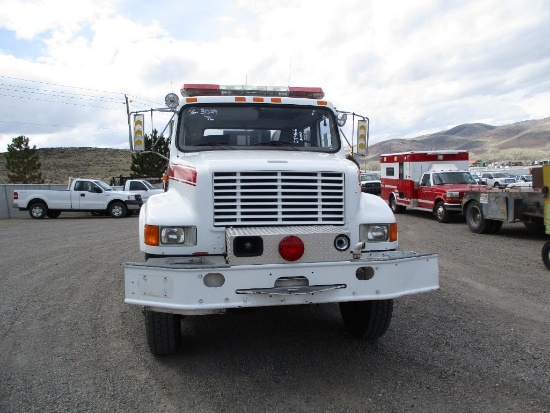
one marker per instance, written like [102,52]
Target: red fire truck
[433,181]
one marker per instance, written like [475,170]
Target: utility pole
[129,123]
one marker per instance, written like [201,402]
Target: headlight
[156,236]
[373,232]
[452,194]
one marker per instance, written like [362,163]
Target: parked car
[477,177]
[140,186]
[497,179]
[524,178]
[522,181]
[370,183]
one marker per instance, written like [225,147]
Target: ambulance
[433,181]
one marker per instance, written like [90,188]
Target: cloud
[412,67]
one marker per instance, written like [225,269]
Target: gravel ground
[69,343]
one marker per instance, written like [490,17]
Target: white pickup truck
[140,186]
[81,195]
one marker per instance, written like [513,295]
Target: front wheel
[396,208]
[163,332]
[441,213]
[367,319]
[38,210]
[546,254]
[118,209]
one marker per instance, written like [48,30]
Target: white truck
[263,209]
[141,187]
[81,195]
[497,179]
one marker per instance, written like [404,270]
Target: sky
[411,67]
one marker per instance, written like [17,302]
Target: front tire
[38,210]
[118,209]
[163,332]
[395,207]
[441,213]
[367,319]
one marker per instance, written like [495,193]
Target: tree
[151,164]
[22,162]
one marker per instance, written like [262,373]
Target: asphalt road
[69,343]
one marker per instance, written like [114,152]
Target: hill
[521,141]
[527,140]
[58,164]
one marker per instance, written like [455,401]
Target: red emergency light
[199,89]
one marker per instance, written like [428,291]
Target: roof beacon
[192,89]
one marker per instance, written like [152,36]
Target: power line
[56,93]
[63,103]
[144,101]
[58,84]
[59,126]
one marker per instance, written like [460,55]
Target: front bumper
[205,285]
[453,206]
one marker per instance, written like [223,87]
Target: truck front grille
[278,198]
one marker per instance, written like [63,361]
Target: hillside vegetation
[58,164]
[521,141]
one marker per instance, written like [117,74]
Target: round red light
[291,248]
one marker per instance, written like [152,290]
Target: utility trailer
[486,209]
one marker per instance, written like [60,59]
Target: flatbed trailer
[486,209]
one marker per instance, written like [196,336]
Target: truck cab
[441,191]
[264,209]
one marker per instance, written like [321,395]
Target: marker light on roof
[190,89]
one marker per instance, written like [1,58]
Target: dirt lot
[69,343]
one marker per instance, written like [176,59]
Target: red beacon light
[199,89]
[291,248]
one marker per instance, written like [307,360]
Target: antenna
[289,71]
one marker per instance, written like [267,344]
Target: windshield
[369,177]
[149,185]
[220,127]
[103,185]
[443,178]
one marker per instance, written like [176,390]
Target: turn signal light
[151,235]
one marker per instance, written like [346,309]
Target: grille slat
[278,198]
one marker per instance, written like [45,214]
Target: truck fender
[35,200]
[374,209]
[168,208]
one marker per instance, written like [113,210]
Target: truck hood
[269,160]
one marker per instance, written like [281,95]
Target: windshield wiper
[288,145]
[217,144]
